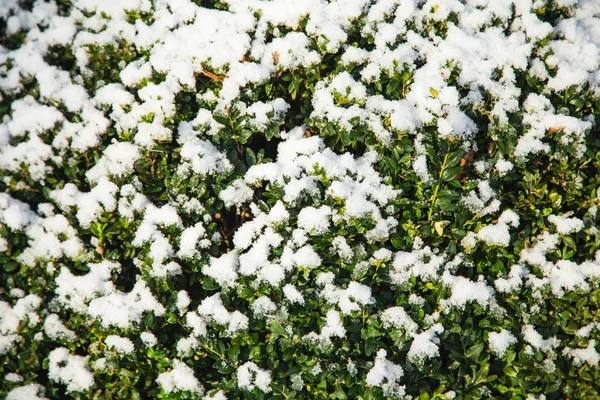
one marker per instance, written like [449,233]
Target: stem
[213,351]
[437,188]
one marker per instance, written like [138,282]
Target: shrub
[247,199]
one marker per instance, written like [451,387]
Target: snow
[117,161]
[70,370]
[342,248]
[55,329]
[223,269]
[11,318]
[314,220]
[33,391]
[514,281]
[334,327]
[13,378]
[449,80]
[149,339]
[385,374]
[565,225]
[213,309]
[465,290]
[94,294]
[203,158]
[250,376]
[500,341]
[183,300]
[120,344]
[349,299]
[236,194]
[425,345]
[180,378]
[587,355]
[263,307]
[536,340]
[195,323]
[498,234]
[125,309]
[397,318]
[503,167]
[292,294]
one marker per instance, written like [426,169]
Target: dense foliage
[299,199]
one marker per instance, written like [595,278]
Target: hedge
[312,199]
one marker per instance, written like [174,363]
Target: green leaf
[339,392]
[454,158]
[450,173]
[277,330]
[371,346]
[510,371]
[255,353]
[220,119]
[250,157]
[370,332]
[474,351]
[569,242]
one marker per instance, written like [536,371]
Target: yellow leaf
[439,227]
[433,92]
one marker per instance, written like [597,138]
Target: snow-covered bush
[299,199]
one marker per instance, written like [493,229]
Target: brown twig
[213,76]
